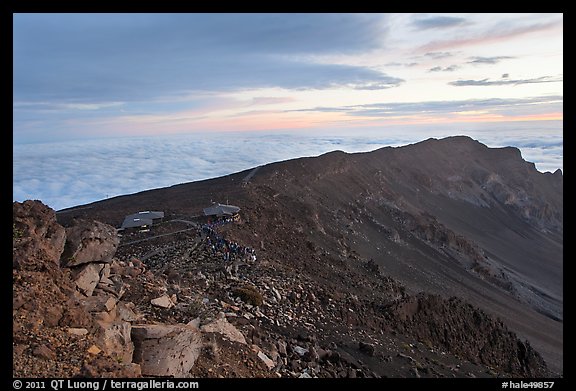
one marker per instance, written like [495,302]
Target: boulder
[89,241]
[366,348]
[126,312]
[87,277]
[99,303]
[105,273]
[312,355]
[117,288]
[104,316]
[226,329]
[163,301]
[114,338]
[300,350]
[44,352]
[77,331]
[166,350]
[36,235]
[281,344]
[266,360]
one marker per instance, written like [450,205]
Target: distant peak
[459,138]
[336,152]
[459,141]
[464,140]
[513,151]
[558,172]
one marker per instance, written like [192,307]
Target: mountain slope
[450,217]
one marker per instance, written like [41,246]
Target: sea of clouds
[72,173]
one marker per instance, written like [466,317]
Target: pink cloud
[495,35]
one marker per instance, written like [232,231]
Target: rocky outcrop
[166,350]
[89,241]
[73,309]
[71,320]
[41,290]
[54,328]
[466,331]
[37,237]
[429,229]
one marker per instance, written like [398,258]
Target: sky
[110,104]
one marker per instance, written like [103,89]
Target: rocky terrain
[402,262]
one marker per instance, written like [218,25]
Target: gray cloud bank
[438,22]
[507,106]
[506,81]
[488,60]
[71,173]
[98,58]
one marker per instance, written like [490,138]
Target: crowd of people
[229,250]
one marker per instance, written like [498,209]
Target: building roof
[221,210]
[135,222]
[150,214]
[141,218]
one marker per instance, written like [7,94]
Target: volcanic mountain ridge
[442,258]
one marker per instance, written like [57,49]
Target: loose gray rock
[89,241]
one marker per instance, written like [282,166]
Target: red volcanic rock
[37,237]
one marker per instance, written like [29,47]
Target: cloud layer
[72,173]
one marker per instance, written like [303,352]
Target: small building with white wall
[220,210]
[142,220]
